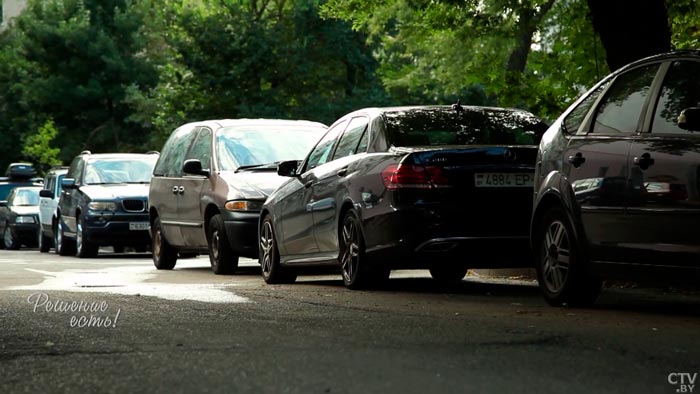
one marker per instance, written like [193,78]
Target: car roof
[686,53]
[439,108]
[92,156]
[218,123]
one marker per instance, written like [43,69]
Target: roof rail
[152,152]
[86,152]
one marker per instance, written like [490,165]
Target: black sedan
[445,188]
[19,218]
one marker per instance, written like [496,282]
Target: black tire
[164,255]
[269,257]
[221,256]
[561,267]
[63,245]
[9,239]
[448,273]
[358,272]
[44,242]
[118,249]
[84,248]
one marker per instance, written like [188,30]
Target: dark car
[445,188]
[617,185]
[211,181]
[104,202]
[19,218]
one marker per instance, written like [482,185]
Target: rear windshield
[425,127]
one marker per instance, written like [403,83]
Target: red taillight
[402,176]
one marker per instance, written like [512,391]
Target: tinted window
[619,112]
[320,154]
[201,148]
[680,90]
[174,150]
[58,184]
[575,118]
[444,126]
[348,144]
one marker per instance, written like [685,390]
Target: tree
[38,149]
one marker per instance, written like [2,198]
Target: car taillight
[403,176]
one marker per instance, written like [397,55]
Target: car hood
[252,184]
[111,192]
[26,210]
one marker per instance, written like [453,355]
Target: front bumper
[242,232]
[26,233]
[114,230]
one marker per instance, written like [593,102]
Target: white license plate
[139,226]
[497,179]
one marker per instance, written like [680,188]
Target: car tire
[221,256]
[63,245]
[44,242]
[83,247]
[358,272]
[269,257]
[118,249]
[11,243]
[164,255]
[561,267]
[448,273]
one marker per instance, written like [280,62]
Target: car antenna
[458,106]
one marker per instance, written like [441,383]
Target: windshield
[438,126]
[122,170]
[26,197]
[263,144]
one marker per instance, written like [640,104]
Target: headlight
[244,205]
[25,219]
[102,206]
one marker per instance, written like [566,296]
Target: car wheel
[223,260]
[448,273]
[64,246]
[357,270]
[560,267]
[44,242]
[84,248]
[164,255]
[272,271]
[11,243]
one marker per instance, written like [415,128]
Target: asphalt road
[192,331]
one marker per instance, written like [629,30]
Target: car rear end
[470,198]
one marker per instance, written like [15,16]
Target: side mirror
[288,168]
[46,193]
[689,119]
[3,203]
[194,167]
[68,183]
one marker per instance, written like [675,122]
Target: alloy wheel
[58,237]
[351,252]
[556,256]
[157,243]
[79,238]
[215,240]
[7,237]
[266,245]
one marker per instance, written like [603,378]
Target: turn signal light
[244,205]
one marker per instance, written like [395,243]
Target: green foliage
[37,147]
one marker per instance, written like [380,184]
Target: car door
[331,180]
[70,198]
[164,192]
[596,161]
[191,186]
[664,212]
[47,205]
[295,215]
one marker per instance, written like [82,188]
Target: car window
[79,166]
[680,90]
[58,184]
[118,170]
[575,118]
[201,148]
[174,150]
[322,151]
[25,197]
[50,182]
[349,142]
[620,109]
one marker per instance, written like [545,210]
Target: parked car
[48,206]
[17,174]
[104,202]
[445,188]
[19,218]
[617,182]
[211,181]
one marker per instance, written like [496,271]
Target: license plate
[497,179]
[139,226]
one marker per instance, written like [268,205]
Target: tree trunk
[630,30]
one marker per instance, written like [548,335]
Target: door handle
[342,172]
[175,189]
[643,162]
[577,159]
[181,190]
[308,184]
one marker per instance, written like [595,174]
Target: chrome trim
[183,224]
